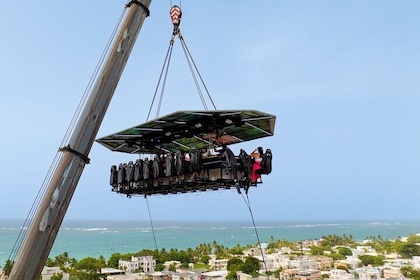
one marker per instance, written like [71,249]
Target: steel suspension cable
[176,17]
[188,55]
[151,224]
[41,193]
[203,101]
[248,204]
[164,82]
[164,66]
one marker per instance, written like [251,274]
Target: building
[323,262]
[369,273]
[48,272]
[168,264]
[392,273]
[218,275]
[141,263]
[339,274]
[217,265]
[304,263]
[364,250]
[296,274]
[243,276]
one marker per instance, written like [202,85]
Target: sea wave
[315,225]
[95,229]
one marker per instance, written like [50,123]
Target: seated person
[256,157]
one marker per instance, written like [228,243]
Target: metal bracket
[68,149]
[140,4]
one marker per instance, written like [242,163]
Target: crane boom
[47,221]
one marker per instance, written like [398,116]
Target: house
[323,262]
[48,272]
[143,263]
[167,264]
[304,263]
[369,273]
[214,275]
[392,273]
[292,274]
[217,265]
[185,275]
[339,274]
[364,250]
[243,276]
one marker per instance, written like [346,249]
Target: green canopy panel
[182,130]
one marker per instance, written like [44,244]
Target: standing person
[256,157]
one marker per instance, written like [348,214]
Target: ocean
[82,238]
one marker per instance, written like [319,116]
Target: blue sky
[342,77]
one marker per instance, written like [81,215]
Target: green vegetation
[333,246]
[250,266]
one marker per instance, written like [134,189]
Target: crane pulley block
[176,15]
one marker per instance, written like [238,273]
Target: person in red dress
[256,156]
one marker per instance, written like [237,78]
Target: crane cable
[248,204]
[176,15]
[151,224]
[165,68]
[43,189]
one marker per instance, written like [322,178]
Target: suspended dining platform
[190,152]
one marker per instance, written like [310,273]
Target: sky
[342,78]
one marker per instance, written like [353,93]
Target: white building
[339,274]
[415,261]
[369,273]
[353,262]
[218,275]
[304,264]
[217,265]
[48,272]
[364,250]
[144,263]
[243,276]
[187,275]
[167,264]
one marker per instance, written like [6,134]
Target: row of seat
[169,164]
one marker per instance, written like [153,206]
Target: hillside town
[280,260]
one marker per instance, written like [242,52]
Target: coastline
[93,238]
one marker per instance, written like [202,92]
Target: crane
[181,131]
[46,223]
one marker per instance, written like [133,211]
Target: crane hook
[176,14]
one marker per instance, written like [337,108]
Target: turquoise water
[95,238]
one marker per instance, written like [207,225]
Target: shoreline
[92,238]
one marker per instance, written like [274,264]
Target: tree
[235,264]
[8,267]
[172,267]
[231,275]
[62,260]
[410,272]
[57,276]
[159,267]
[345,251]
[205,259]
[409,250]
[277,272]
[237,250]
[251,265]
[318,250]
[114,260]
[413,238]
[372,260]
[89,264]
